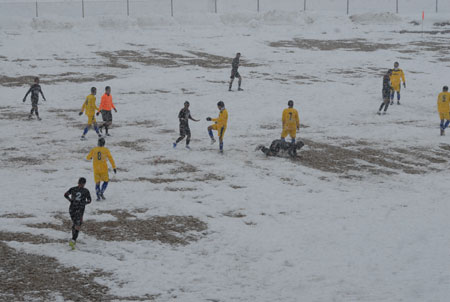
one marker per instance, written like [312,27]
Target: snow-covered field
[361,215]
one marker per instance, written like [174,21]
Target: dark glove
[404,85]
[208,119]
[97,113]
[45,99]
[24,100]
[80,113]
[115,171]
[115,110]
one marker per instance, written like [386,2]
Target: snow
[305,234]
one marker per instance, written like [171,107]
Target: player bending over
[290,122]
[35,89]
[79,197]
[100,154]
[106,105]
[397,77]
[282,146]
[184,116]
[220,125]
[386,91]
[235,73]
[443,104]
[89,108]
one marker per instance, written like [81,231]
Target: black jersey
[78,197]
[184,116]
[235,64]
[386,84]
[35,89]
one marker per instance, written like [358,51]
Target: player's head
[81,181]
[220,105]
[186,104]
[396,64]
[101,142]
[36,80]
[238,55]
[107,90]
[389,72]
[445,88]
[291,103]
[93,90]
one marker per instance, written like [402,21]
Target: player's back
[444,102]
[396,75]
[90,104]
[80,197]
[99,156]
[290,118]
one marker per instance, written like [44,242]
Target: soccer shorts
[91,119]
[396,86]
[444,116]
[98,177]
[185,130]
[291,133]
[220,130]
[106,115]
[235,74]
[76,215]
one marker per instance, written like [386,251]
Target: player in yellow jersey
[220,125]
[443,105]
[290,121]
[397,77]
[100,154]
[89,108]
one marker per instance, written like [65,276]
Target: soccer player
[443,104]
[100,154]
[220,124]
[106,105]
[89,108]
[290,121]
[35,89]
[397,77]
[283,146]
[386,91]
[235,73]
[79,197]
[184,116]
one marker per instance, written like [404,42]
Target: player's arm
[90,155]
[403,78]
[67,195]
[111,160]
[40,90]
[83,108]
[28,92]
[112,105]
[191,118]
[283,117]
[297,120]
[88,197]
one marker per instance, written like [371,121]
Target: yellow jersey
[222,120]
[396,76]
[100,155]
[443,102]
[89,106]
[290,119]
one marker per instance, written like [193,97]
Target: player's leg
[284,133]
[210,132]
[231,81]
[97,179]
[392,95]
[182,135]
[105,178]
[221,134]
[188,137]
[239,82]
[293,135]
[398,94]
[94,124]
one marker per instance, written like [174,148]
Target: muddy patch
[133,145]
[46,79]
[174,230]
[352,158]
[29,277]
[329,45]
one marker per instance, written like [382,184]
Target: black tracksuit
[79,198]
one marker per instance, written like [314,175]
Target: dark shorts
[386,94]
[34,103]
[76,215]
[107,115]
[185,130]
[235,74]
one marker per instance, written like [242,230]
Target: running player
[443,104]
[106,104]
[235,73]
[220,125]
[184,116]
[79,197]
[35,89]
[89,108]
[397,77]
[386,91]
[100,154]
[290,122]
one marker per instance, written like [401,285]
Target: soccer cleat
[187,147]
[384,112]
[30,117]
[83,138]
[39,119]
[442,132]
[213,141]
[103,196]
[98,198]
[174,145]
[379,112]
[72,244]
[99,135]
[100,129]
[398,102]
[221,151]
[240,89]
[107,134]
[392,103]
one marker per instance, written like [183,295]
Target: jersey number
[290,116]
[78,196]
[99,155]
[444,98]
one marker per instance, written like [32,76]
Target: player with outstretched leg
[220,125]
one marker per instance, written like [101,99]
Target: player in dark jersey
[282,146]
[79,197]
[184,116]
[35,89]
[235,73]
[386,92]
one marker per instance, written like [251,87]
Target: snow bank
[376,18]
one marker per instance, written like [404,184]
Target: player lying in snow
[281,147]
